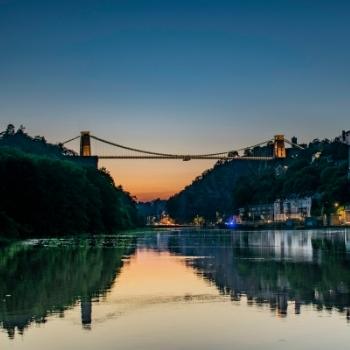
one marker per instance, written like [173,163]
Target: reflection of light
[231,223]
[166,220]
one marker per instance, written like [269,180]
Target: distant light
[231,223]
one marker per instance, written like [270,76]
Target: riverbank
[256,227]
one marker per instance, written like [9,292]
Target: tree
[10,130]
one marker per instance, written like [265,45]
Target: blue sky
[175,75]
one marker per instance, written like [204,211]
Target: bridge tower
[279,147]
[85,144]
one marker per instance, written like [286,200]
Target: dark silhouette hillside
[210,194]
[42,194]
[319,171]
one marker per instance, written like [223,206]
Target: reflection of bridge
[263,151]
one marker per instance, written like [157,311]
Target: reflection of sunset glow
[159,274]
[150,279]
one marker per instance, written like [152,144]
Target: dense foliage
[43,195]
[319,171]
[211,193]
[34,145]
[153,208]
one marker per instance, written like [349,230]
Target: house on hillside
[341,216]
[257,213]
[292,209]
[344,137]
[347,215]
[279,211]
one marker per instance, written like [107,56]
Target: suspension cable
[294,144]
[249,147]
[169,154]
[74,138]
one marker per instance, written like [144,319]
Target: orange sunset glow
[151,179]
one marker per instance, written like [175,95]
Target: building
[341,217]
[279,211]
[347,215]
[257,213]
[292,209]
[344,137]
[295,208]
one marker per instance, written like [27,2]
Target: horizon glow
[191,76]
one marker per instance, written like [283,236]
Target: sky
[174,76]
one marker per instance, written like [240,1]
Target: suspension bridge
[274,148]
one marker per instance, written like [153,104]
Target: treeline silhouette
[319,171]
[45,196]
[19,139]
[210,193]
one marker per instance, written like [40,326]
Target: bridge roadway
[186,157]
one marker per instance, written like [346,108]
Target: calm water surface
[178,289]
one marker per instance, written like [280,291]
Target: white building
[345,137]
[292,208]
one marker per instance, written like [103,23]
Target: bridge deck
[186,158]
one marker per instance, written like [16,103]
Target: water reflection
[110,277]
[306,267]
[44,277]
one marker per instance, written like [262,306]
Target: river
[178,289]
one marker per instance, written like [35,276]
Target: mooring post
[86,311]
[85,144]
